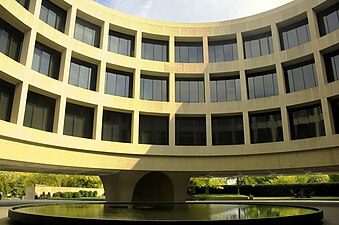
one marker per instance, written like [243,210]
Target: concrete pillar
[120,187]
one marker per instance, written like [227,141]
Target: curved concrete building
[147,104]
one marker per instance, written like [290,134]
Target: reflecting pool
[156,212]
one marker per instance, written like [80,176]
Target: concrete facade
[122,165]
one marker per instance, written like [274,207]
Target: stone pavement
[330,208]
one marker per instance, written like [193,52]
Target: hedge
[278,190]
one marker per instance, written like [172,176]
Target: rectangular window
[24,3]
[87,32]
[266,127]
[154,50]
[10,40]
[83,74]
[306,122]
[154,88]
[46,60]
[116,126]
[294,34]
[262,85]
[39,113]
[190,131]
[300,76]
[53,15]
[118,83]
[332,66]
[153,130]
[227,130]
[328,20]
[189,90]
[78,121]
[6,100]
[189,52]
[335,113]
[258,45]
[221,51]
[121,43]
[225,89]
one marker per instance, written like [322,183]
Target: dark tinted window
[262,85]
[300,76]
[39,113]
[220,51]
[118,83]
[189,90]
[10,40]
[87,32]
[294,35]
[6,100]
[266,127]
[328,20]
[121,43]
[227,130]
[46,60]
[258,45]
[306,122]
[24,3]
[188,52]
[153,88]
[224,89]
[154,50]
[153,130]
[83,74]
[78,121]
[116,126]
[53,15]
[332,66]
[190,130]
[335,113]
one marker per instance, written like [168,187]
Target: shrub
[57,195]
[81,193]
[95,194]
[76,195]
[90,194]
[64,195]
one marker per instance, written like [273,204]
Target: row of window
[305,122]
[223,88]
[261,44]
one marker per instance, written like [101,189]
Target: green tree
[333,178]
[207,183]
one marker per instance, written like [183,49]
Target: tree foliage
[14,183]
[207,183]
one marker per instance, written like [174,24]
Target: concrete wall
[32,191]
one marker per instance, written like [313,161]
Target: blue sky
[192,10]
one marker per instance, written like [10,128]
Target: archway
[154,187]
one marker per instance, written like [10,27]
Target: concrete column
[97,123]
[70,21]
[240,44]
[285,124]
[35,7]
[247,131]
[65,65]
[138,44]
[171,49]
[171,127]
[135,127]
[136,87]
[104,36]
[60,110]
[208,129]
[171,86]
[205,49]
[243,85]
[207,87]
[19,103]
[121,186]
[328,119]
[28,46]
[101,77]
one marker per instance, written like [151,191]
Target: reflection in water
[166,211]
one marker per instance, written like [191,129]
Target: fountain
[164,213]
